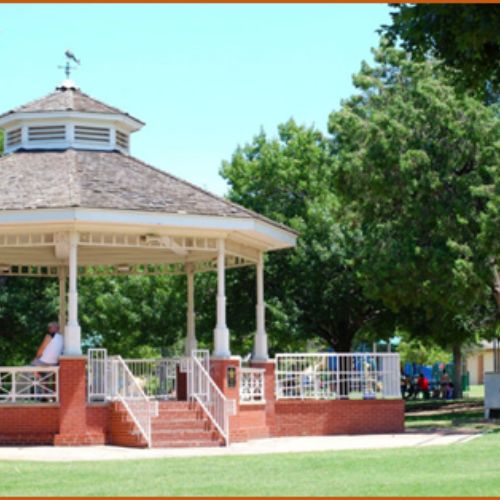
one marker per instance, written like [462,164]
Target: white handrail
[205,391]
[126,389]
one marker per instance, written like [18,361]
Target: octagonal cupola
[67,119]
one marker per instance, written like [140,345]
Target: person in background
[444,382]
[51,347]
[422,386]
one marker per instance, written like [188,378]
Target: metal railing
[252,385]
[157,377]
[97,375]
[207,394]
[123,387]
[21,384]
[338,376]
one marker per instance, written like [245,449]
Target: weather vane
[67,67]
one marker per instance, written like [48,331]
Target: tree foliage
[464,36]
[418,163]
[312,291]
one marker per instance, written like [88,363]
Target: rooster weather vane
[68,67]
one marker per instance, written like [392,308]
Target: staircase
[179,424]
[183,425]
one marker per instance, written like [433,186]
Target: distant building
[481,360]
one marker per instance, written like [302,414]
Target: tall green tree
[418,164]
[465,37]
[312,292]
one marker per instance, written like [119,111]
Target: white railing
[338,376]
[207,394]
[123,387]
[97,375]
[252,385]
[20,384]
[157,377]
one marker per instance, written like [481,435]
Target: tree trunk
[457,381]
[496,287]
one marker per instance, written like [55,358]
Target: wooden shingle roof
[104,180]
[68,99]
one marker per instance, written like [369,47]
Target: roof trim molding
[276,237]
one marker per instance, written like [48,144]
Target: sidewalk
[256,447]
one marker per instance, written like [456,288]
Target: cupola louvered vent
[14,137]
[121,140]
[95,135]
[49,133]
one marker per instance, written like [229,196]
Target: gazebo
[76,203]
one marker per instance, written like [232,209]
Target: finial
[67,67]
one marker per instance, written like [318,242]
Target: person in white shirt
[51,347]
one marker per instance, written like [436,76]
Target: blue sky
[204,78]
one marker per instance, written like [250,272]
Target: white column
[72,332]
[191,342]
[260,342]
[62,297]
[221,333]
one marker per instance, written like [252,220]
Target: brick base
[74,422]
[321,418]
[249,423]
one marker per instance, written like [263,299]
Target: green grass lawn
[462,469]
[475,392]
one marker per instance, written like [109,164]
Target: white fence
[205,391]
[29,384]
[338,376]
[252,385]
[157,377]
[98,374]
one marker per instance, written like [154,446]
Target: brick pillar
[269,391]
[218,371]
[72,401]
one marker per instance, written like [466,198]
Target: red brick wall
[318,418]
[249,423]
[269,396]
[40,424]
[122,431]
[97,419]
[22,425]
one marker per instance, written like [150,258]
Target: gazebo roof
[67,168]
[67,97]
[104,180]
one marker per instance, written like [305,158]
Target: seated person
[444,382]
[423,386]
[51,347]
